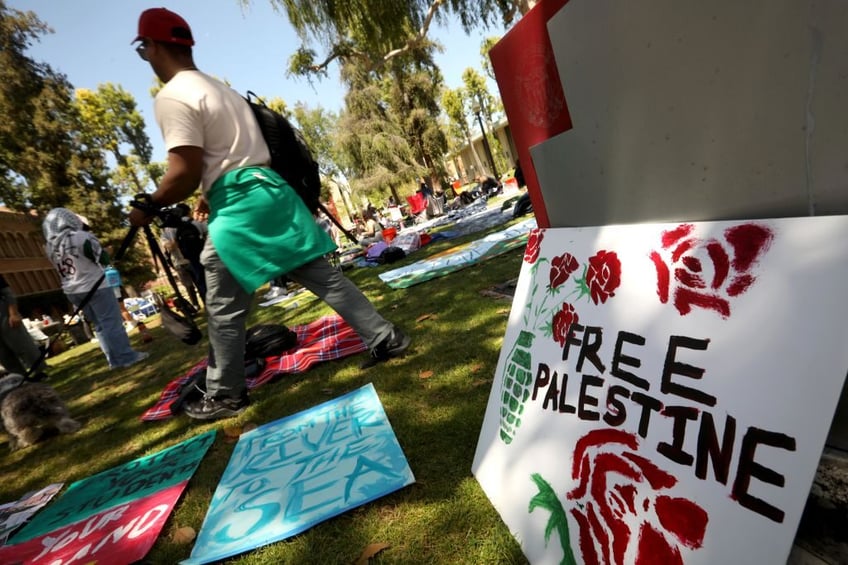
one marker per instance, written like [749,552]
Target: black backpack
[290,155]
[391,254]
[268,340]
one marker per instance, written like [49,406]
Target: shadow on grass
[435,399]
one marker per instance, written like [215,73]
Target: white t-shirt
[78,272]
[194,109]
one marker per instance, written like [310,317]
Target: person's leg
[23,347]
[187,280]
[330,285]
[9,361]
[227,307]
[199,278]
[103,312]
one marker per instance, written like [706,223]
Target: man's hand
[138,218]
[201,209]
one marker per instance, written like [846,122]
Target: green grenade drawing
[517,381]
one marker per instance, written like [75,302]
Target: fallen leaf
[370,551]
[504,311]
[248,427]
[232,432]
[183,535]
[476,367]
[425,374]
[423,317]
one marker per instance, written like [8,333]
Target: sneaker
[392,346]
[275,292]
[139,357]
[215,408]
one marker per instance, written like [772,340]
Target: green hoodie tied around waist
[261,228]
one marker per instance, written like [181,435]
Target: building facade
[24,265]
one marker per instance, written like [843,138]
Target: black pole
[487,148]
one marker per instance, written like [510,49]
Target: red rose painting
[561,268]
[707,273]
[534,244]
[603,275]
[563,319]
[622,506]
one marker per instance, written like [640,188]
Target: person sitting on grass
[372,231]
[18,351]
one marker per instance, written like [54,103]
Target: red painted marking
[671,237]
[684,519]
[663,276]
[684,299]
[654,549]
[692,263]
[748,241]
[740,284]
[682,248]
[721,263]
[587,544]
[656,477]
[689,279]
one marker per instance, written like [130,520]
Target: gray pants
[228,305]
[18,351]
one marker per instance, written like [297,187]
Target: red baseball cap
[160,24]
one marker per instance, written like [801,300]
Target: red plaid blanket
[324,339]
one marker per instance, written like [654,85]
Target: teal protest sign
[289,475]
[119,485]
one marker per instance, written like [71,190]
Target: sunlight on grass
[434,397]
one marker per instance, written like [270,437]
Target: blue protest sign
[288,475]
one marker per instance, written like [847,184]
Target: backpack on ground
[391,254]
[268,340]
[290,155]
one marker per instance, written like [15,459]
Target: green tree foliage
[485,47]
[375,31]
[113,124]
[456,109]
[412,84]
[374,154]
[318,127]
[48,156]
[38,164]
[478,98]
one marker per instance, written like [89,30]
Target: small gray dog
[28,409]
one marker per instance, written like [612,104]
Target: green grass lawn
[434,397]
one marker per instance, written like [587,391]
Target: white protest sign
[664,391]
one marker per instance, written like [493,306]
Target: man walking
[258,226]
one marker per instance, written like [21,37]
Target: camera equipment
[180,325]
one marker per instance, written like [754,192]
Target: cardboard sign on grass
[15,514]
[291,474]
[664,392]
[118,535]
[114,516]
